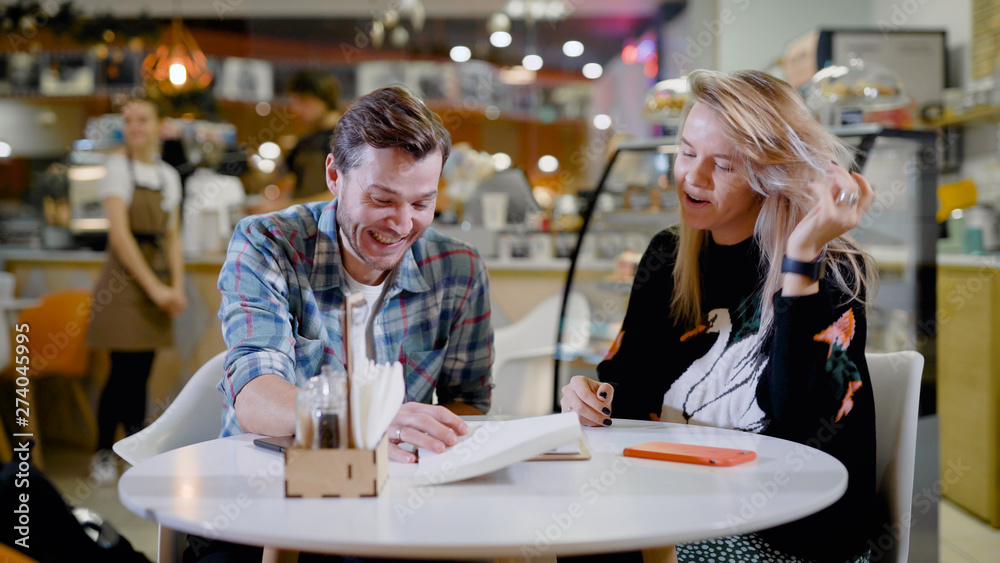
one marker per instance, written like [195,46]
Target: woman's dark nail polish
[607,422]
[606,411]
[604,394]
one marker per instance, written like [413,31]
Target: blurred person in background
[315,96]
[141,286]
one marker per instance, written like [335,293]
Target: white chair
[194,416]
[523,369]
[896,386]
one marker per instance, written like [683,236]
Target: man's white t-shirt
[363,341]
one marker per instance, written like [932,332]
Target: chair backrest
[523,366]
[7,284]
[896,386]
[194,416]
[58,333]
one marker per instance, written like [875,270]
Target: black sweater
[806,382]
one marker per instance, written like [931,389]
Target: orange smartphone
[688,453]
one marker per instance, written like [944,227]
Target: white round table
[231,490]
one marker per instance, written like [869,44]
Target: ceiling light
[593,70]
[269,150]
[178,64]
[266,166]
[178,74]
[500,39]
[602,121]
[5,149]
[548,163]
[501,161]
[573,48]
[532,62]
[460,53]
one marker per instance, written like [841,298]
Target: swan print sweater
[806,381]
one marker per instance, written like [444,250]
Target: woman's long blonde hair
[781,149]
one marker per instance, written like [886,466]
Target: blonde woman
[751,314]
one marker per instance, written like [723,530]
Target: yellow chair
[57,328]
[10,555]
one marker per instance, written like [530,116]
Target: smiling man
[287,273]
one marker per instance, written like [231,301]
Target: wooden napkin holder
[346,473]
[333,472]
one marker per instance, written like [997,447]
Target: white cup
[495,210]
[541,246]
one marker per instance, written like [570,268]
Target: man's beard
[349,230]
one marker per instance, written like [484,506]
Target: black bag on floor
[45,528]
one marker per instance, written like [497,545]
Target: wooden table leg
[660,555]
[276,555]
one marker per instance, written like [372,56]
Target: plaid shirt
[283,287]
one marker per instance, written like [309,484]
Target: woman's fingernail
[607,422]
[604,394]
[606,411]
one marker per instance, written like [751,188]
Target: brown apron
[123,316]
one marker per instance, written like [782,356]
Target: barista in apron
[140,286]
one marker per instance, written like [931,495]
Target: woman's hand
[179,302]
[161,294]
[431,427]
[170,299]
[841,201]
[589,399]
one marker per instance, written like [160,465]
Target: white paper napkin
[377,392]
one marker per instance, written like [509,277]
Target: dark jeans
[124,397]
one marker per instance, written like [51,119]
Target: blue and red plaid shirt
[283,286]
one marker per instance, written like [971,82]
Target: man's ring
[398,431]
[569,409]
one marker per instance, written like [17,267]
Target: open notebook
[493,445]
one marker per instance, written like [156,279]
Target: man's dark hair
[316,83]
[388,118]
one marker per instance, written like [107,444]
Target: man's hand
[266,405]
[432,427]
